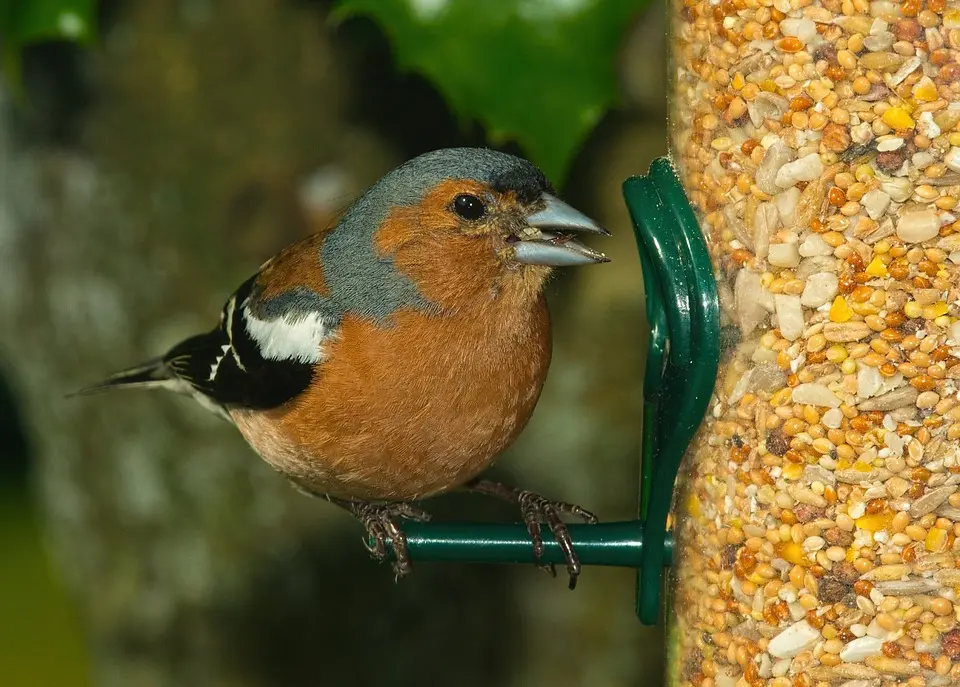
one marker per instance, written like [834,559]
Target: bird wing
[261,354]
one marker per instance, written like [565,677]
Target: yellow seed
[781,397]
[946,202]
[792,471]
[900,521]
[721,143]
[864,173]
[954,139]
[739,82]
[881,248]
[876,268]
[846,59]
[846,452]
[935,540]
[840,311]
[926,192]
[925,90]
[887,622]
[848,366]
[915,532]
[808,601]
[834,238]
[823,446]
[794,287]
[941,606]
[876,522]
[790,551]
[864,308]
[898,119]
[859,349]
[939,308]
[836,354]
[912,309]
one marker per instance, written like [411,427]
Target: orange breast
[413,409]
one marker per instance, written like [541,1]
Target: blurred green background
[152,155]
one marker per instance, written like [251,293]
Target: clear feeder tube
[818,510]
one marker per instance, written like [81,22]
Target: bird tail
[152,373]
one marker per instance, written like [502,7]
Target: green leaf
[541,72]
[23,22]
[29,21]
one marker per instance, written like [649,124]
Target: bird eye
[469,207]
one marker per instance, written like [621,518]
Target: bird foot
[537,510]
[381,523]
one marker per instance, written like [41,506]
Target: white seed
[786,203]
[777,155]
[804,29]
[793,640]
[869,381]
[819,289]
[875,202]
[889,143]
[952,159]
[806,168]
[898,188]
[915,227]
[833,418]
[815,245]
[815,395]
[836,553]
[927,126]
[789,315]
[858,649]
[783,255]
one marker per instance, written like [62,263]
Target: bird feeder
[681,369]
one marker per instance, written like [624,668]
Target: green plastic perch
[682,358]
[618,544]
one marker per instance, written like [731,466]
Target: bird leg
[535,510]
[380,522]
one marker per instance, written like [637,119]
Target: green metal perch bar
[617,544]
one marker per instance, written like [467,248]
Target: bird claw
[536,511]
[380,522]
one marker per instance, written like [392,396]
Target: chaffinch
[391,357]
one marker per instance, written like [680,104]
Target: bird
[394,355]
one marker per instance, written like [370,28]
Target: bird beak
[548,240]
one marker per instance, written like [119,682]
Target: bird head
[462,218]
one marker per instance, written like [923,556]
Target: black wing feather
[243,377]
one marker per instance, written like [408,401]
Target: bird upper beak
[547,239]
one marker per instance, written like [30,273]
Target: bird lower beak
[547,239]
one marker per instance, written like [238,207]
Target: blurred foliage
[40,637]
[540,72]
[23,22]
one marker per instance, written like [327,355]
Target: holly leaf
[23,22]
[540,72]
